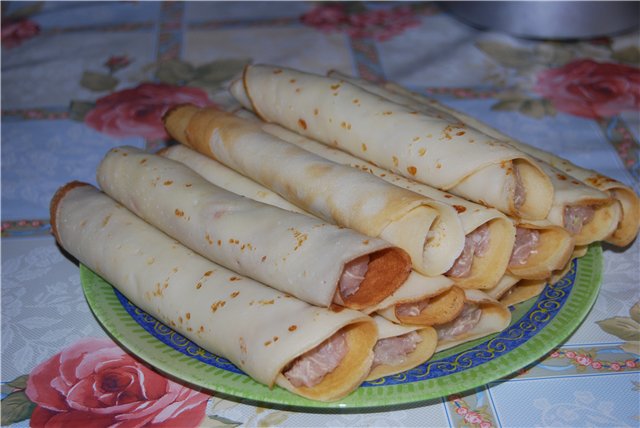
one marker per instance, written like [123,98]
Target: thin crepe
[280,248]
[618,228]
[494,317]
[212,306]
[428,230]
[447,155]
[423,351]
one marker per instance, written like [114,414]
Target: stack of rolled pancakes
[361,227]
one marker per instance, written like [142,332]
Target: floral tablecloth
[79,78]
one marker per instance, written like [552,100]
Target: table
[80,78]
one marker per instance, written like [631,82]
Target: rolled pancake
[428,230]
[212,306]
[525,289]
[400,348]
[432,150]
[551,251]
[416,289]
[493,317]
[628,222]
[436,310]
[485,271]
[280,248]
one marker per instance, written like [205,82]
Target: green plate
[538,326]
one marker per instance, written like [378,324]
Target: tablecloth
[79,78]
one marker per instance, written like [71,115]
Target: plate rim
[114,318]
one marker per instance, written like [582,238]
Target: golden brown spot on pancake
[201,329]
[151,260]
[263,258]
[302,123]
[233,241]
[198,286]
[292,80]
[234,294]
[180,319]
[106,220]
[365,242]
[448,196]
[315,111]
[143,161]
[267,343]
[188,185]
[422,151]
[460,208]
[219,242]
[188,315]
[461,133]
[299,236]
[298,90]
[278,71]
[387,113]
[168,183]
[336,86]
[364,147]
[276,338]
[217,305]
[266,302]
[179,213]
[293,327]
[208,273]
[235,278]
[356,101]
[438,165]
[125,154]
[395,160]
[208,238]
[412,170]
[243,345]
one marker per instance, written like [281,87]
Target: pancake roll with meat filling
[447,155]
[280,248]
[214,307]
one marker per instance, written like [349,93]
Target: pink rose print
[615,367]
[95,383]
[596,365]
[591,89]
[583,360]
[485,424]
[630,363]
[462,411]
[138,111]
[15,32]
[473,418]
[380,24]
[570,354]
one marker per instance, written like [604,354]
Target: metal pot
[549,19]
